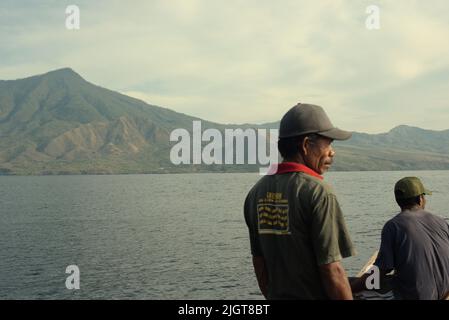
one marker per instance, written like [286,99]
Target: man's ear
[422,201]
[305,146]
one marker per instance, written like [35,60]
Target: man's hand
[359,284]
[335,281]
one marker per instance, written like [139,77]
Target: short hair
[289,147]
[409,202]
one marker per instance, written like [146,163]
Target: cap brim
[336,134]
[427,192]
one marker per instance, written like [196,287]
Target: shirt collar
[285,167]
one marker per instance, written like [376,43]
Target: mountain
[58,123]
[402,148]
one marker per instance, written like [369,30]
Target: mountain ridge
[59,123]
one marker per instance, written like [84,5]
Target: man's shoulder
[433,215]
[437,219]
[400,218]
[305,183]
[314,184]
[406,219]
[393,223]
[261,182]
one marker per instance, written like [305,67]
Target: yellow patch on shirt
[273,214]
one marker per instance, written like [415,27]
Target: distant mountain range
[58,123]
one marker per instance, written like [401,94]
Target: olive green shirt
[295,223]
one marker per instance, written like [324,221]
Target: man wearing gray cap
[415,244]
[297,232]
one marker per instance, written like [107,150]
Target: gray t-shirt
[416,245]
[295,223]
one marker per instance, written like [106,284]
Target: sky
[247,61]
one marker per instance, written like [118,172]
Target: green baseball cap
[409,187]
[308,118]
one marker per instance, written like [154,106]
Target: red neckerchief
[285,167]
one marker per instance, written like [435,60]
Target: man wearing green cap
[415,244]
[297,232]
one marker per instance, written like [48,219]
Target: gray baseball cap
[308,118]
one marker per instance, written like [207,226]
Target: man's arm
[385,259]
[335,281]
[261,274]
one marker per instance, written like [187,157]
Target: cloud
[244,61]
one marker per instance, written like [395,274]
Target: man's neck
[414,208]
[296,159]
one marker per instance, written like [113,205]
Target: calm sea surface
[162,236]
